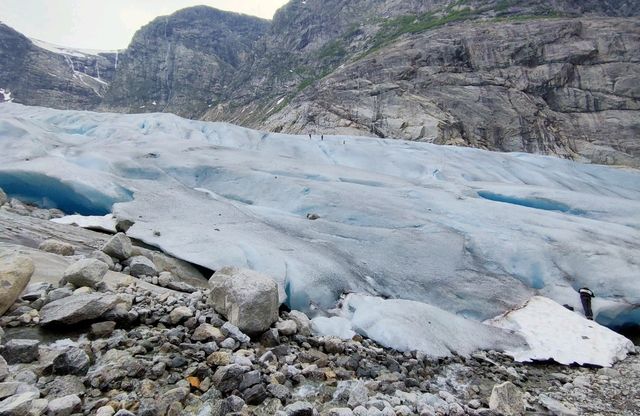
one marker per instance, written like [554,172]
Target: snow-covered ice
[413,326]
[468,231]
[554,332]
[93,222]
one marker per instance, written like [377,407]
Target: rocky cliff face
[554,77]
[182,63]
[38,76]
[556,86]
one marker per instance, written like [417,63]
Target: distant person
[309,136]
[585,297]
[321,137]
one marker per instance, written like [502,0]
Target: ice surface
[413,326]
[397,219]
[554,332]
[93,222]
[334,326]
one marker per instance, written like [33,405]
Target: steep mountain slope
[553,77]
[181,63]
[63,79]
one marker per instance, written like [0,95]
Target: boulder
[15,272]
[180,314]
[3,197]
[507,400]
[77,308]
[73,361]
[302,321]
[228,378]
[103,257]
[57,247]
[21,351]
[64,406]
[246,298]
[118,246]
[85,272]
[287,327]
[19,404]
[102,329]
[142,266]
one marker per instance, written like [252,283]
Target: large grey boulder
[15,273]
[142,266]
[57,247]
[85,272]
[119,246]
[507,400]
[249,300]
[77,308]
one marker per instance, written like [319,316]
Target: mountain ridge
[548,77]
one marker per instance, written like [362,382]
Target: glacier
[471,232]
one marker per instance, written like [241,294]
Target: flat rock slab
[77,308]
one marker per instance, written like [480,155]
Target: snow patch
[553,332]
[63,50]
[413,326]
[92,222]
[5,95]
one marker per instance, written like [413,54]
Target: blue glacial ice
[471,232]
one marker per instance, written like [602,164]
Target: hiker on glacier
[585,297]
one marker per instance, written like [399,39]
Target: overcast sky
[106,24]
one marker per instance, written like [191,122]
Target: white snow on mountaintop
[554,332]
[468,231]
[63,50]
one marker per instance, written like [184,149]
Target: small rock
[103,257]
[142,266]
[299,409]
[207,332]
[179,314]
[102,329]
[302,322]
[73,361]
[219,359]
[506,399]
[85,272]
[57,247]
[270,338]
[287,327]
[19,351]
[234,332]
[118,246]
[64,406]
[227,378]
[105,411]
[3,197]
[333,345]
